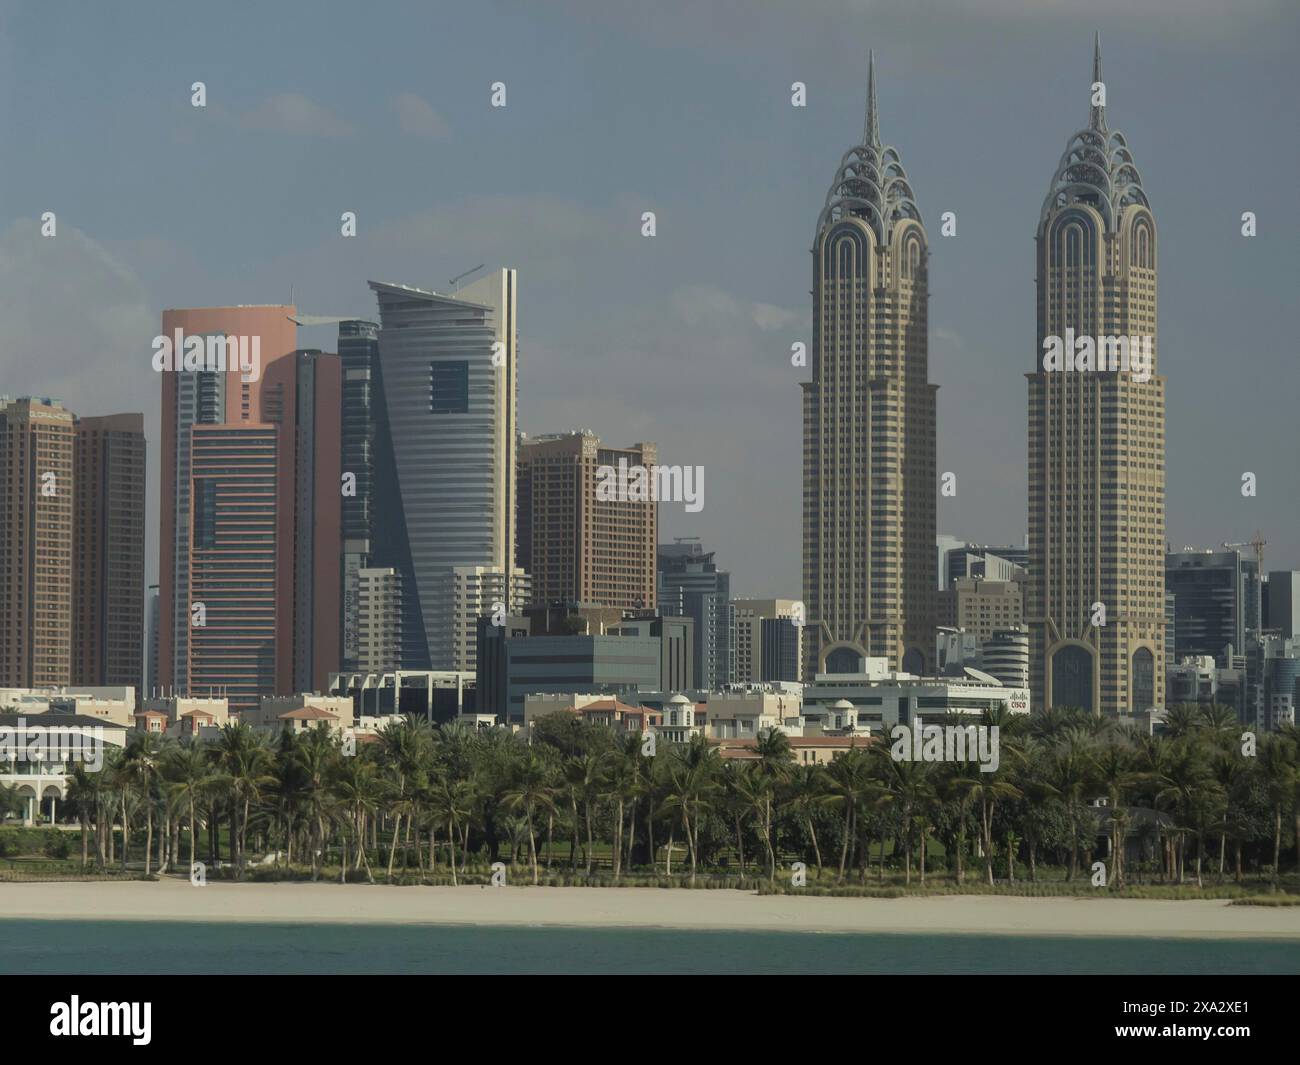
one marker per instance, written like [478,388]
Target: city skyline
[143,252]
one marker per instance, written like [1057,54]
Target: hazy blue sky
[615,108]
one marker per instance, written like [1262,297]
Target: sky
[615,108]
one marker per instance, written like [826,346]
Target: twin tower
[1094,600]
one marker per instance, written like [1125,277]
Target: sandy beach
[642,908]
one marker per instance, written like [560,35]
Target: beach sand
[642,908]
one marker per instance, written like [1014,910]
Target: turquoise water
[163,947]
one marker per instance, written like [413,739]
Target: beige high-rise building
[981,607]
[869,422]
[578,547]
[1095,599]
[37,498]
[750,614]
[378,620]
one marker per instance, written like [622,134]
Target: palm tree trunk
[451,842]
[816,849]
[844,846]
[392,850]
[590,856]
[618,840]
[532,845]
[1277,841]
[148,834]
[650,833]
[767,840]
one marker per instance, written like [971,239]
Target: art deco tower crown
[870,183]
[1097,167]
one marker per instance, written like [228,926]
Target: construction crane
[459,277]
[1258,544]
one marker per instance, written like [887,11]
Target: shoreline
[678,909]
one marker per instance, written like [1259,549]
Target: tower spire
[871,134]
[1097,115]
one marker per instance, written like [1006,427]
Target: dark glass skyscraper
[358,352]
[691,585]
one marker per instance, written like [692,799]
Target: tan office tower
[37,497]
[750,615]
[108,552]
[241,416]
[1095,598]
[576,547]
[869,422]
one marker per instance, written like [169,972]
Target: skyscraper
[237,590]
[751,652]
[444,404]
[108,552]
[692,586]
[37,508]
[250,546]
[869,421]
[358,352]
[71,546]
[1095,603]
[1216,602]
[312,424]
[215,392]
[575,546]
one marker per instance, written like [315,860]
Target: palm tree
[692,781]
[531,791]
[909,788]
[356,789]
[584,776]
[753,793]
[243,764]
[849,783]
[807,794]
[988,789]
[1070,773]
[451,802]
[775,763]
[142,767]
[317,753]
[1277,765]
[1114,769]
[1185,783]
[188,776]
[85,793]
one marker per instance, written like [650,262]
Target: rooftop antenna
[455,281]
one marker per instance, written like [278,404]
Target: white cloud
[292,112]
[416,117]
[74,321]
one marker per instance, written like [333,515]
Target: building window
[449,387]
